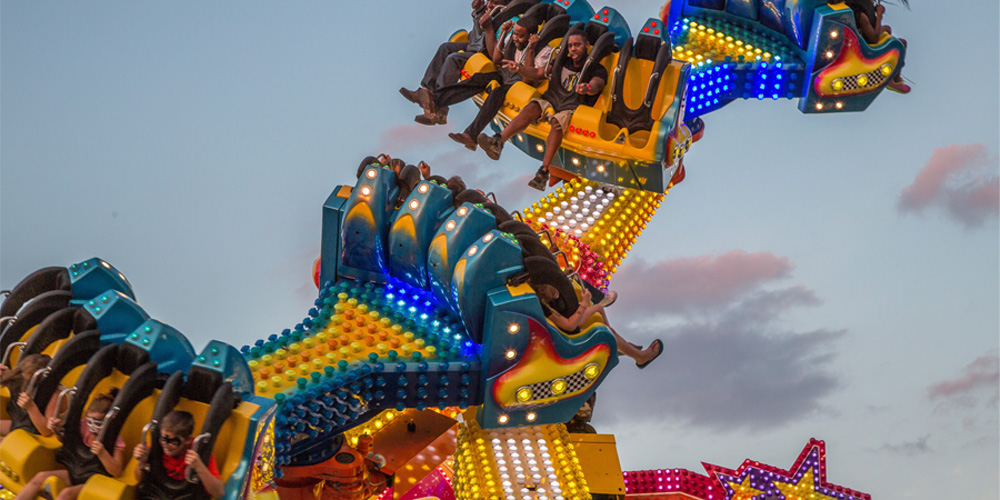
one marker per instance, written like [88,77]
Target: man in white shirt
[527,64]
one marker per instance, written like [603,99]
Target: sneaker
[431,119]
[898,86]
[492,146]
[609,298]
[410,95]
[540,180]
[464,139]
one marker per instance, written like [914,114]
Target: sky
[826,276]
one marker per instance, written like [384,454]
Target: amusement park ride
[426,368]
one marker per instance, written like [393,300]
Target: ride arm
[112,462]
[41,420]
[492,47]
[213,485]
[596,85]
[141,455]
[528,71]
[593,87]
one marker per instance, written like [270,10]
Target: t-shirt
[542,57]
[88,437]
[568,80]
[176,467]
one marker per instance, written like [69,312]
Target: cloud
[695,283]
[911,448]
[398,140]
[982,373]
[962,180]
[726,376]
[727,364]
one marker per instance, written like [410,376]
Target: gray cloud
[739,372]
[910,448]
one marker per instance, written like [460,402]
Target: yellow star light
[743,491]
[805,489]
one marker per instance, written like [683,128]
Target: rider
[564,94]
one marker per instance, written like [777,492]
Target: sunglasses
[173,441]
[94,424]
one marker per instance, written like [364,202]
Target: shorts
[562,118]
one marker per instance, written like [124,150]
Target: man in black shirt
[564,94]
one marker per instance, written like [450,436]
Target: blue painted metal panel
[827,20]
[706,4]
[416,223]
[515,324]
[615,22]
[330,240]
[462,228]
[94,276]
[485,265]
[747,9]
[772,15]
[227,360]
[117,315]
[365,225]
[798,20]
[654,27]
[578,10]
[167,347]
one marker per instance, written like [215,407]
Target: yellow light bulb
[524,394]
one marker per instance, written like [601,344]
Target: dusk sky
[832,276]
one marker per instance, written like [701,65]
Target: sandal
[659,351]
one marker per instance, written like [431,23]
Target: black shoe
[540,180]
[492,146]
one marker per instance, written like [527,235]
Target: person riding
[24,413]
[566,91]
[548,294]
[176,458]
[111,462]
[446,66]
[868,18]
[520,59]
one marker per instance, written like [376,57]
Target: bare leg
[30,490]
[530,113]
[625,347]
[70,493]
[4,427]
[552,143]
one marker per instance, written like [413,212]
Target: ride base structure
[426,367]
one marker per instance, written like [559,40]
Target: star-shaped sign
[804,489]
[743,490]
